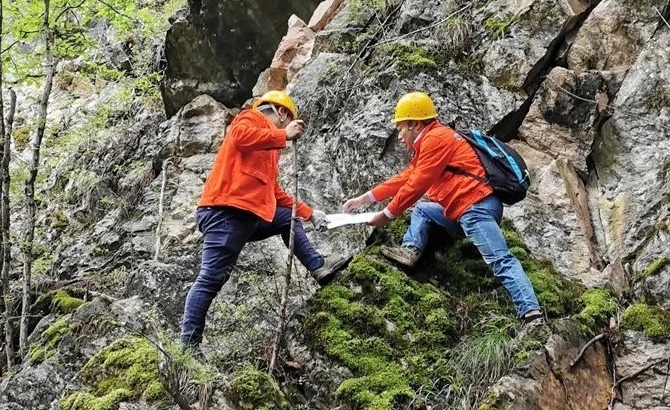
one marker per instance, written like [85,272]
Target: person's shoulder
[250,115]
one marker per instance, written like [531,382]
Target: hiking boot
[331,265]
[534,319]
[405,255]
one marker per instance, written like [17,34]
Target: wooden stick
[586,346]
[289,266]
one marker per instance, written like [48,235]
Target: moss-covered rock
[49,339]
[125,370]
[654,268]
[392,335]
[252,389]
[652,320]
[65,303]
[599,305]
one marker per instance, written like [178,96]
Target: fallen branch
[607,106]
[586,346]
[662,18]
[642,370]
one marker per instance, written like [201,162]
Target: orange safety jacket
[436,147]
[246,168]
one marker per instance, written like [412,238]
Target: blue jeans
[481,224]
[226,230]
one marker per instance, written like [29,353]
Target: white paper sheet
[335,220]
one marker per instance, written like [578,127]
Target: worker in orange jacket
[459,204]
[242,201]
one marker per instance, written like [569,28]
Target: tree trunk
[5,134]
[30,183]
[6,255]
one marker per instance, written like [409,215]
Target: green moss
[21,137]
[398,226]
[49,339]
[491,401]
[359,10]
[398,336]
[88,401]
[652,320]
[409,57]
[655,267]
[65,303]
[599,305]
[125,370]
[392,335]
[253,389]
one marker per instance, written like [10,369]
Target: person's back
[245,169]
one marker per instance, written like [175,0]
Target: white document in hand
[335,220]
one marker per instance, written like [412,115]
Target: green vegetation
[125,370]
[498,26]
[652,320]
[359,10]
[599,306]
[409,57]
[251,388]
[49,339]
[65,303]
[654,268]
[392,334]
[400,336]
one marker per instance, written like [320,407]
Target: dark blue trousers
[226,230]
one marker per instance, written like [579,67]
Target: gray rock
[220,48]
[558,198]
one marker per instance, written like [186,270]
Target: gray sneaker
[405,255]
[331,265]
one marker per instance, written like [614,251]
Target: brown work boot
[405,255]
[331,265]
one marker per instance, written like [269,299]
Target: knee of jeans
[213,280]
[500,261]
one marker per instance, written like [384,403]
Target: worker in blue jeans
[459,203]
[242,201]
[480,223]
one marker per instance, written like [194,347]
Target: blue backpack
[506,171]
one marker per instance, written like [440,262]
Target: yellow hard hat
[279,98]
[414,106]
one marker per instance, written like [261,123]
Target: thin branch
[586,346]
[437,23]
[608,106]
[68,8]
[366,47]
[665,385]
[118,12]
[662,18]
[642,370]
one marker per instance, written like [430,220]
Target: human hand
[380,220]
[319,220]
[294,130]
[355,203]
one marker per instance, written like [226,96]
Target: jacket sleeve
[304,211]
[428,169]
[390,187]
[249,134]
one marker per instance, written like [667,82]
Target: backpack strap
[459,171]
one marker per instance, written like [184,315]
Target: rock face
[219,48]
[581,87]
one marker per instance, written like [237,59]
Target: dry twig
[661,16]
[586,346]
